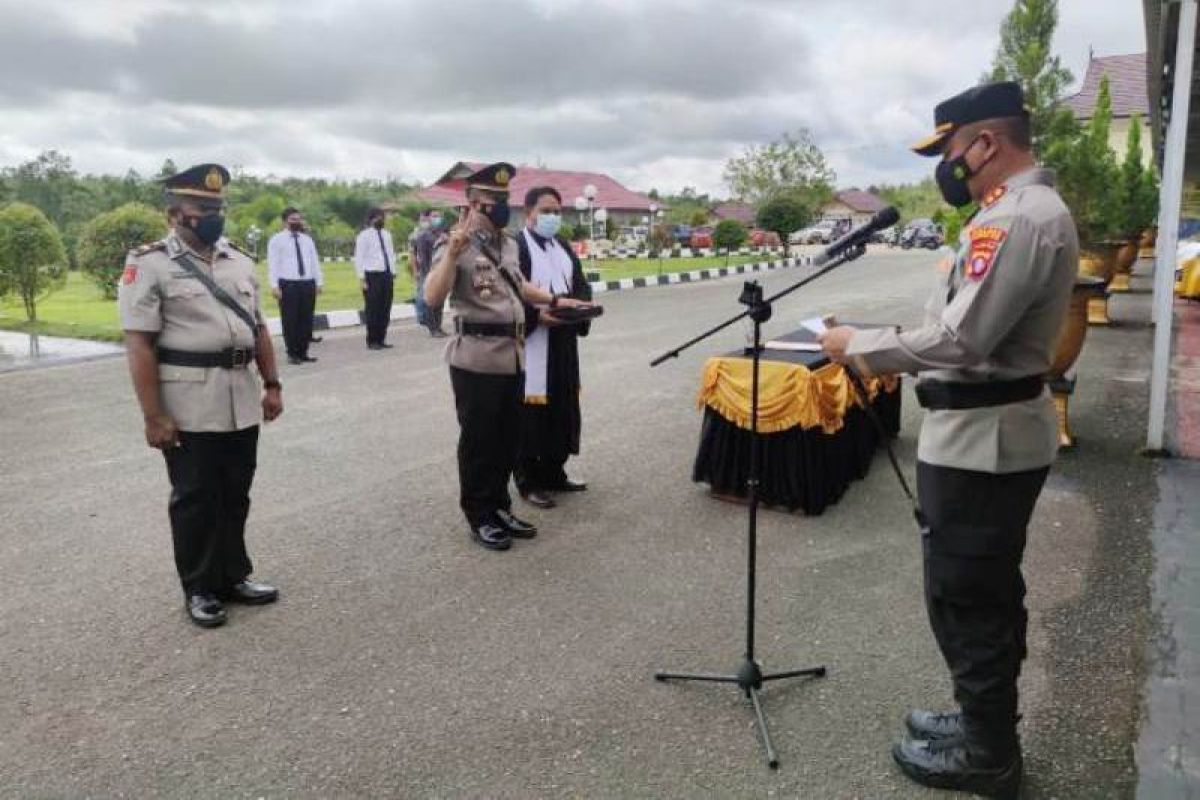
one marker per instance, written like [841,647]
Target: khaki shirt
[482,294]
[157,295]
[995,316]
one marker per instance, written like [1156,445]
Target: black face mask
[499,214]
[208,228]
[376,224]
[952,175]
[296,226]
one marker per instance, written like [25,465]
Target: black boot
[931,725]
[984,762]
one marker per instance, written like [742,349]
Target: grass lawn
[79,310]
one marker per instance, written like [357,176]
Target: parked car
[701,237]
[922,233]
[821,233]
[682,234]
[760,238]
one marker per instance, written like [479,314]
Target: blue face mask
[547,225]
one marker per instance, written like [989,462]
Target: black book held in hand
[574,314]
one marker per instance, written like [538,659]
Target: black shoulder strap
[491,255]
[222,297]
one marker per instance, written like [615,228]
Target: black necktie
[387,266]
[299,258]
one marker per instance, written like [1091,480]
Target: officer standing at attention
[476,265]
[989,433]
[190,311]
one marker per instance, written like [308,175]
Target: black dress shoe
[250,593]
[316,339]
[959,764]
[385,346]
[205,610]
[517,528]
[308,359]
[492,535]
[374,346]
[568,485]
[295,360]
[930,725]
[536,498]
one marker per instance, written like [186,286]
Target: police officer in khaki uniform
[989,433]
[190,310]
[476,265]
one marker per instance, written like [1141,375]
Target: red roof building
[625,207]
[742,212]
[853,204]
[1127,86]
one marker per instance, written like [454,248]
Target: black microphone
[860,235]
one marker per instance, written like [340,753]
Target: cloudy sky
[658,94]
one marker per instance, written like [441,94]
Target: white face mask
[548,225]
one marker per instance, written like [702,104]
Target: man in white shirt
[294,271]
[375,263]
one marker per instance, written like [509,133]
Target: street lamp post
[253,234]
[581,205]
[589,193]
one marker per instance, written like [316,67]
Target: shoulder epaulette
[237,247]
[150,247]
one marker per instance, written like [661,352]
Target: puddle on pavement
[23,350]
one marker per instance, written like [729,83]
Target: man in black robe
[551,419]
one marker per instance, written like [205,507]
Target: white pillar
[1170,202]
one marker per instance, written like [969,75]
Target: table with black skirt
[816,437]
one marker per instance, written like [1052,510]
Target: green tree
[784,214]
[107,239]
[729,235]
[1087,171]
[33,260]
[1138,189]
[1024,56]
[792,165]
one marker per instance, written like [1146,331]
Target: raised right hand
[161,432]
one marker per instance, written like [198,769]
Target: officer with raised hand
[190,310]
[476,266]
[989,433]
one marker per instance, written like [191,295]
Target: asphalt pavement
[405,661]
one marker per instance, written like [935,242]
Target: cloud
[659,94]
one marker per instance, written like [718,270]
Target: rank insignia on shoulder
[994,195]
[239,248]
[129,275]
[151,247]
[985,243]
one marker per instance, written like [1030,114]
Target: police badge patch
[129,275]
[985,243]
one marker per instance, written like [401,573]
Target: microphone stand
[749,676]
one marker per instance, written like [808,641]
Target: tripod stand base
[749,679]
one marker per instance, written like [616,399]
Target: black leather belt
[513,330]
[943,395]
[229,358]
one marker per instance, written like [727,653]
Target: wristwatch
[273,384]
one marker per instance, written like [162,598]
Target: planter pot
[1146,245]
[1127,256]
[1070,342]
[1098,261]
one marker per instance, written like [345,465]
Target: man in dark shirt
[421,260]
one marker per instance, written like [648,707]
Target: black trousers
[297,301]
[974,590]
[489,419]
[540,473]
[210,475]
[378,304]
[543,451]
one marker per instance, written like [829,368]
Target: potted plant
[1137,205]
[1087,174]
